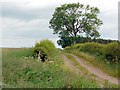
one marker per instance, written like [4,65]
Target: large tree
[72,20]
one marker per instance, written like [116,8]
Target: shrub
[111,51]
[45,45]
[42,49]
[92,48]
[76,46]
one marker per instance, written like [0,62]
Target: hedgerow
[109,51]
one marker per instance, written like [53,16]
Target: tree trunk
[74,42]
[74,31]
[75,35]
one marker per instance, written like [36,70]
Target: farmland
[21,69]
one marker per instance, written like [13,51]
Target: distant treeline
[101,41]
[68,41]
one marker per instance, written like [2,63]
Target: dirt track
[92,69]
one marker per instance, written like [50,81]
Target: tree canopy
[72,20]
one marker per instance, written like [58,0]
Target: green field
[21,70]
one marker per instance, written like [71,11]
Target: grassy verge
[21,70]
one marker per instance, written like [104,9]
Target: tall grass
[21,70]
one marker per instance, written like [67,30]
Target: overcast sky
[23,22]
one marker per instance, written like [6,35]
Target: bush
[42,49]
[45,45]
[92,48]
[76,46]
[111,51]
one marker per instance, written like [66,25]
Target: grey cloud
[109,33]
[34,30]
[12,10]
[30,35]
[109,29]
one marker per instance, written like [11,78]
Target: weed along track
[69,64]
[100,75]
